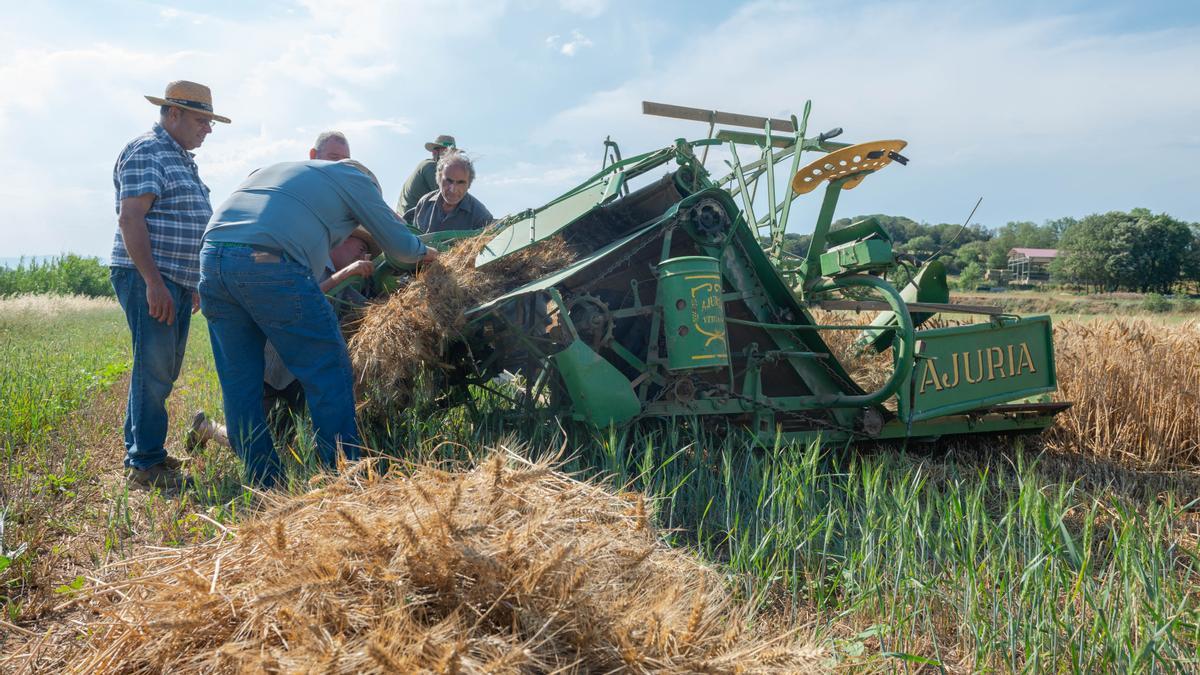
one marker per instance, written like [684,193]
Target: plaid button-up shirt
[154,163]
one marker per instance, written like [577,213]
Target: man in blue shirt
[264,250]
[162,210]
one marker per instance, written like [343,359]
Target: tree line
[67,274]
[1116,251]
[1135,251]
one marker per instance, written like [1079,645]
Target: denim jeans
[157,356]
[248,298]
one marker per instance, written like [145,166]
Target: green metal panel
[436,239]
[929,285]
[546,222]
[550,280]
[599,392]
[689,292]
[965,367]
[867,228]
[861,256]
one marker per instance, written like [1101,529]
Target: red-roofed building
[1030,265]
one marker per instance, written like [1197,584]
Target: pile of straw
[395,339]
[1136,392]
[509,567]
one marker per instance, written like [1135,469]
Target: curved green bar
[905,352]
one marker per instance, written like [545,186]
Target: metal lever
[832,133]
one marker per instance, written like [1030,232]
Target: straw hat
[373,248]
[442,141]
[188,96]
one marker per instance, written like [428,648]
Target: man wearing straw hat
[263,251]
[162,210]
[424,178]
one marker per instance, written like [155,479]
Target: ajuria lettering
[972,367]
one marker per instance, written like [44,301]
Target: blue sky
[1045,109]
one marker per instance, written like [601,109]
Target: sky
[1043,109]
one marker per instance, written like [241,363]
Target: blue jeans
[248,298]
[157,356]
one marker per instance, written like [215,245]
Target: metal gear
[592,318]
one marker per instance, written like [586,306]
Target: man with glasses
[162,210]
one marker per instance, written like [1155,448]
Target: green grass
[982,556]
[62,498]
[976,557]
[51,362]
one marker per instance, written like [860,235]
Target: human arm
[368,208]
[136,235]
[358,268]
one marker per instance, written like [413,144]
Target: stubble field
[1076,551]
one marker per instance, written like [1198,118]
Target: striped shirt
[154,163]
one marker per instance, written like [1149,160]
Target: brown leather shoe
[176,463]
[159,476]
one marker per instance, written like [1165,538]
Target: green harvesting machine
[679,300]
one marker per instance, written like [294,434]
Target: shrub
[67,274]
[1153,302]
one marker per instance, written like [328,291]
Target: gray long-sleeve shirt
[306,208]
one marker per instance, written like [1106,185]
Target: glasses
[201,119]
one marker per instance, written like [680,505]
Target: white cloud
[1044,116]
[1034,104]
[578,41]
[586,8]
[75,101]
[394,125]
[545,178]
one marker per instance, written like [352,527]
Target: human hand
[162,306]
[195,301]
[360,268]
[431,254]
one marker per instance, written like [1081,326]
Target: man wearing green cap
[424,178]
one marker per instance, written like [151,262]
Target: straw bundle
[1136,392]
[510,567]
[395,339]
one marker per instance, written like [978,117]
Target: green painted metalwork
[860,256]
[929,285]
[627,330]
[967,367]
[689,293]
[600,394]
